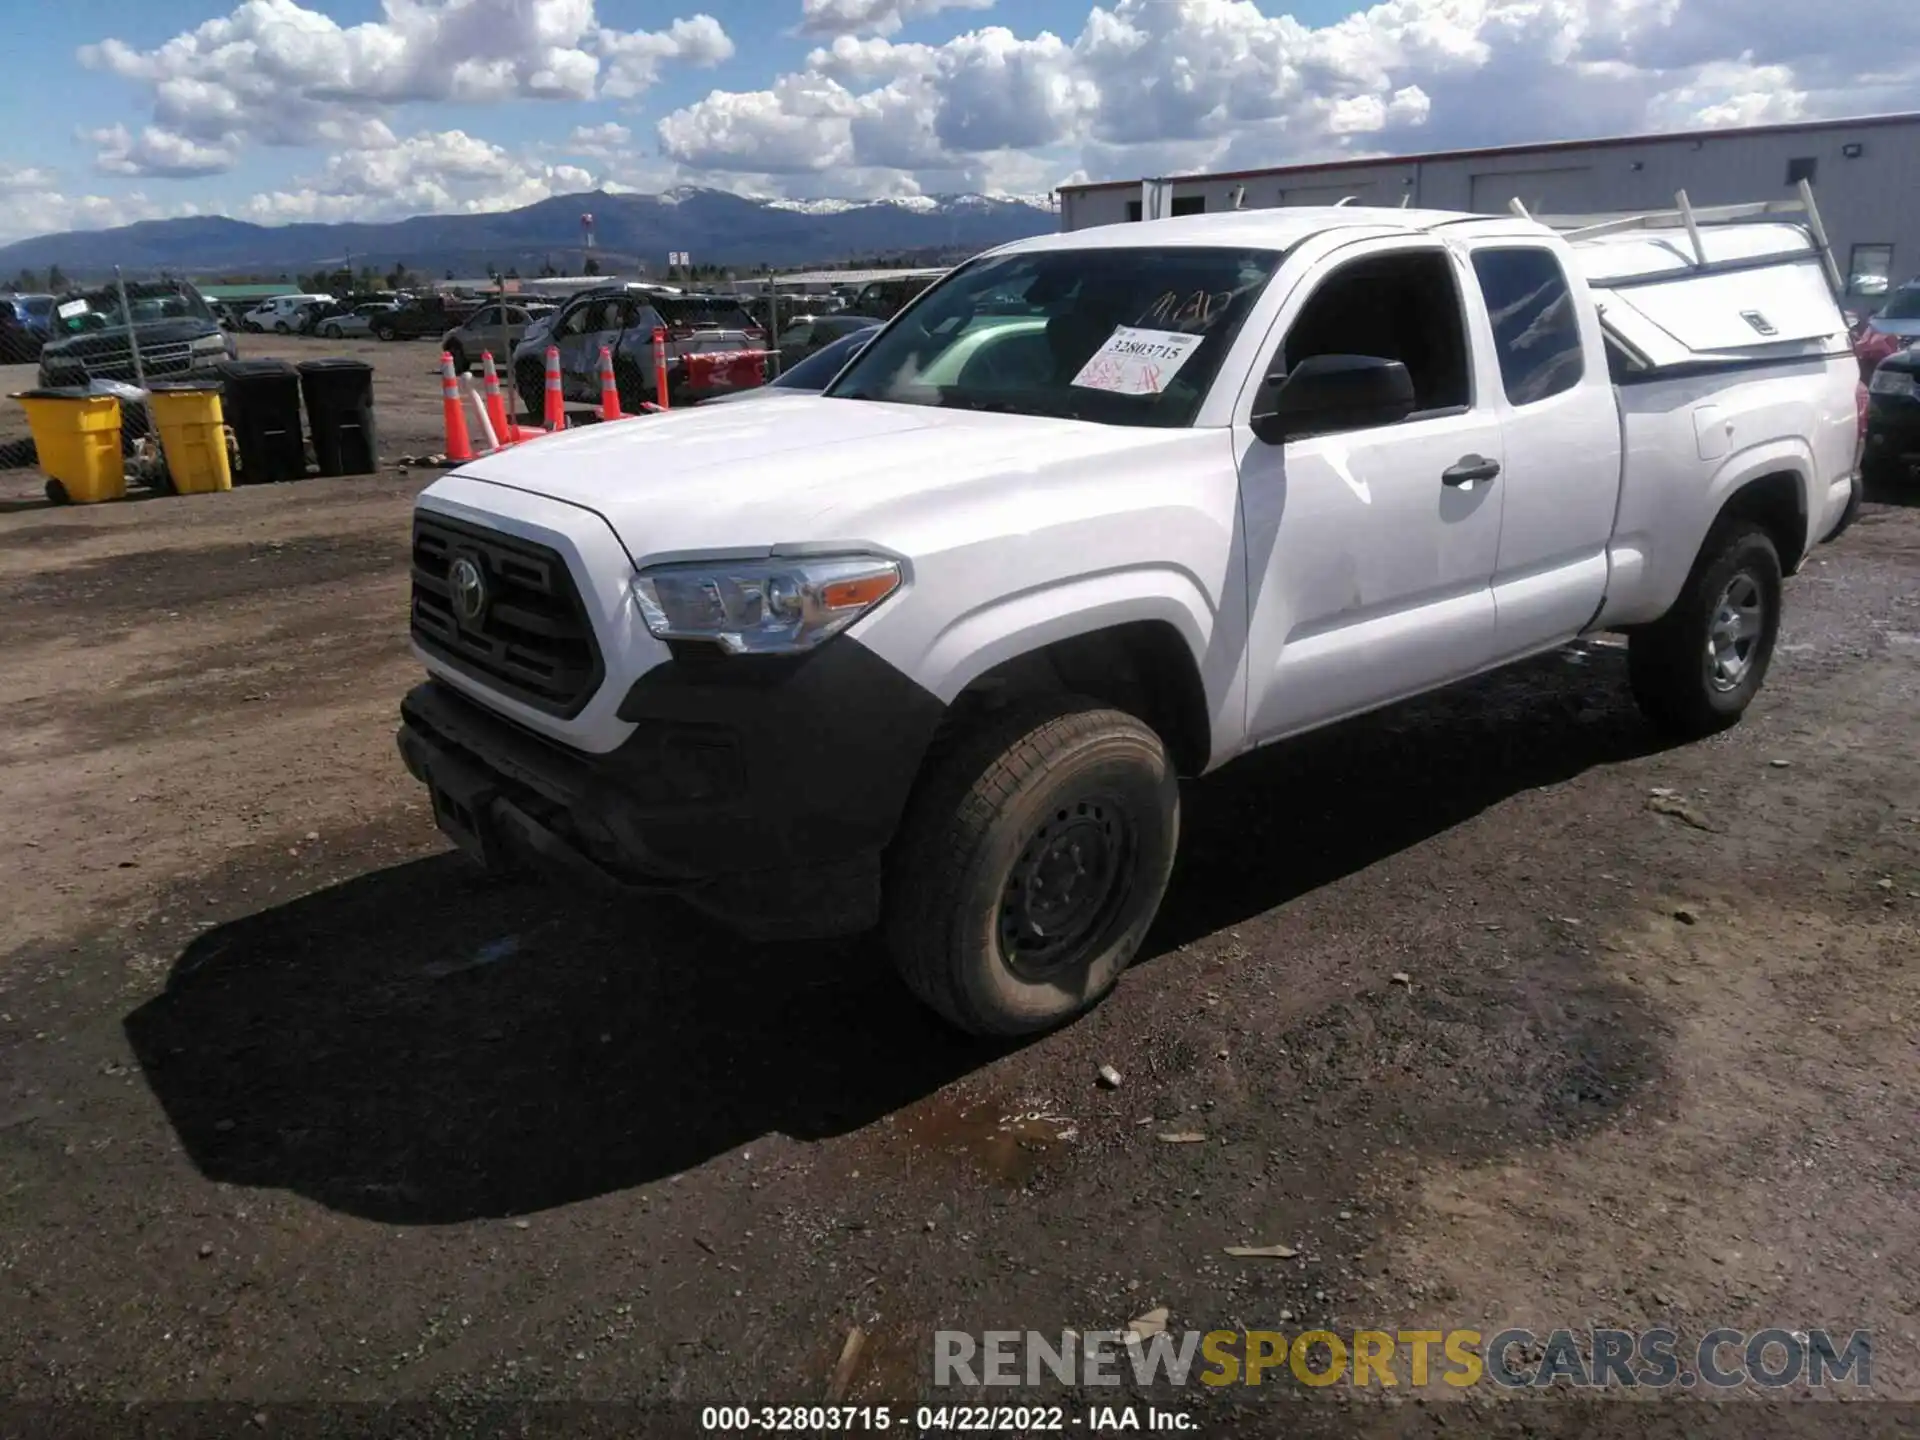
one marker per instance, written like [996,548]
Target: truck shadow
[1291,818]
[420,1045]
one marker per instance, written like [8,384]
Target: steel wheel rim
[1066,887]
[1734,631]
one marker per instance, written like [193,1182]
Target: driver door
[1370,560]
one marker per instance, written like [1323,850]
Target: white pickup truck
[929,651]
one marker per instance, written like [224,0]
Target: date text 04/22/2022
[946,1419]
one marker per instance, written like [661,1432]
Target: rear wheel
[1696,669]
[1030,865]
[57,493]
[331,332]
[280,328]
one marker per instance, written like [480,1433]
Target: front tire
[1696,669]
[459,355]
[1030,864]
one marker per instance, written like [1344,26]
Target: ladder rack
[1691,218]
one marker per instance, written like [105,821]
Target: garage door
[1543,192]
[1364,192]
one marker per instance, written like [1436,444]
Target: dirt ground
[1493,1009]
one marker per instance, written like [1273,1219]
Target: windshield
[39,306]
[1905,304]
[817,369]
[100,309]
[1129,336]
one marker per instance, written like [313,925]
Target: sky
[282,110]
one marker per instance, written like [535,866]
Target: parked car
[932,654]
[808,333]
[622,318]
[278,313]
[494,328]
[351,322]
[93,336]
[1892,447]
[1893,327]
[24,325]
[423,315]
[811,375]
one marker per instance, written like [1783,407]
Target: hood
[796,468]
[114,340]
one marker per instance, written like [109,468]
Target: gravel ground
[1493,1009]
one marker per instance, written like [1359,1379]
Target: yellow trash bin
[192,434]
[77,436]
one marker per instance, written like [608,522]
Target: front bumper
[764,794]
[1893,433]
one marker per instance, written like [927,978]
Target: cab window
[1403,306]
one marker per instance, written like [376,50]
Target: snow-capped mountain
[714,226]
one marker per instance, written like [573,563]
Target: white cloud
[156,152]
[881,17]
[1158,86]
[607,139]
[634,58]
[48,211]
[275,72]
[433,172]
[23,179]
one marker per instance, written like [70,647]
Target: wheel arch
[1772,486]
[1144,666]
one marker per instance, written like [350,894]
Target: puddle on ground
[1006,1140]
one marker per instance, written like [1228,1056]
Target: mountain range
[712,226]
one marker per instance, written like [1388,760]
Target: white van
[277,314]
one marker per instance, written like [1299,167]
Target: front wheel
[1696,669]
[459,358]
[1030,864]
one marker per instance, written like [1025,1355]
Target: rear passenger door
[1370,552]
[1560,425]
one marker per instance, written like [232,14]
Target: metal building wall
[1869,198]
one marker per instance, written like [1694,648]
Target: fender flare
[1014,625]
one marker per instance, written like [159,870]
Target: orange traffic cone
[459,447]
[556,398]
[496,406]
[609,387]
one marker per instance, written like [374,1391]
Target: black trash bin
[262,404]
[339,396]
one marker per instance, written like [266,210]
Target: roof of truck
[1278,229]
[1644,251]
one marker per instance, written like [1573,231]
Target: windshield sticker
[1137,362]
[72,308]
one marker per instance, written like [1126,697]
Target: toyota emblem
[469,587]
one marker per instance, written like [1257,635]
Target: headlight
[763,607]
[1894,382]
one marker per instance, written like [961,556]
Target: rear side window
[1534,327]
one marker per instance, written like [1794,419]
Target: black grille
[532,640]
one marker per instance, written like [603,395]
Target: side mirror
[1327,393]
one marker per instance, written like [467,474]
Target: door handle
[1468,469]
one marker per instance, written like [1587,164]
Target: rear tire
[1030,864]
[280,328]
[57,493]
[1696,669]
[331,332]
